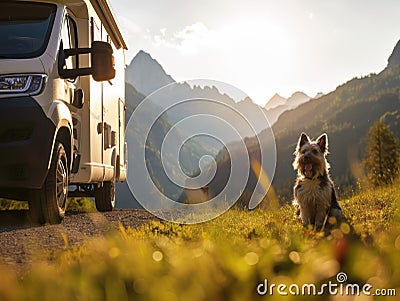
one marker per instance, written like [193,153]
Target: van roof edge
[104,10]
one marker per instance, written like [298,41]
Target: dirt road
[20,241]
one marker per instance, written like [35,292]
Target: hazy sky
[261,46]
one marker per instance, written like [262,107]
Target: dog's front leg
[306,215]
[321,215]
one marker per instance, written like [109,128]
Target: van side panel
[113,93]
[103,115]
[91,167]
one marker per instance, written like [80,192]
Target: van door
[105,191]
[69,38]
[96,146]
[110,121]
[104,119]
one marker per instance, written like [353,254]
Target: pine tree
[382,155]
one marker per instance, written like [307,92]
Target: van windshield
[25,28]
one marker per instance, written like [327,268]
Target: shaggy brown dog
[314,191]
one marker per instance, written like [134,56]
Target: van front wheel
[48,204]
[105,196]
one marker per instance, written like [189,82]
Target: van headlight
[25,84]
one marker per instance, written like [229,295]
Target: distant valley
[144,75]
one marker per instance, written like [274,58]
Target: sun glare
[260,49]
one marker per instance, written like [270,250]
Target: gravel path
[20,241]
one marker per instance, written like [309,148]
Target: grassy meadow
[226,258]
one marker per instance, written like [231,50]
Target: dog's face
[310,155]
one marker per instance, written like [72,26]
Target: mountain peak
[275,101]
[247,100]
[299,94]
[297,99]
[318,95]
[146,74]
[277,96]
[394,59]
[142,52]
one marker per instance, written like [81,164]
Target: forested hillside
[345,115]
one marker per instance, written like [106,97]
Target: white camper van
[62,106]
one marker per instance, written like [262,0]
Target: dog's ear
[303,140]
[322,142]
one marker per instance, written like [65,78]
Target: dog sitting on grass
[314,191]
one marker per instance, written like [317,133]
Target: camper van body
[56,91]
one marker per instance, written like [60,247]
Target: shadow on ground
[15,218]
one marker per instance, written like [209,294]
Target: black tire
[105,196]
[48,204]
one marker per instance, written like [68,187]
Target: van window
[69,39]
[25,28]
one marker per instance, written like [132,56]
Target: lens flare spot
[251,258]
[157,256]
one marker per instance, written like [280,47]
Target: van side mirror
[101,60]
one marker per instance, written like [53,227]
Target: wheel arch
[64,136]
[60,115]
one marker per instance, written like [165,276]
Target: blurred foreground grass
[225,259]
